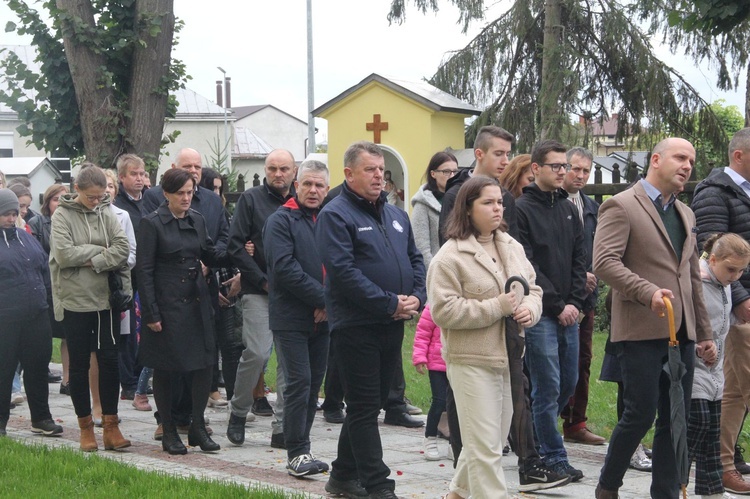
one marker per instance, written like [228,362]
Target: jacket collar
[546,197]
[274,193]
[473,247]
[166,216]
[375,209]
[643,198]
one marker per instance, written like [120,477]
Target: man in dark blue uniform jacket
[375,279]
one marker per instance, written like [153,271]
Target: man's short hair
[740,142]
[125,161]
[487,133]
[580,151]
[351,156]
[540,150]
[313,165]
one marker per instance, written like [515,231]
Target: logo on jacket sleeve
[397,226]
[362,229]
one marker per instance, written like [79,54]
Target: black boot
[197,435]
[170,440]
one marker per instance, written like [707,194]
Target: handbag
[119,300]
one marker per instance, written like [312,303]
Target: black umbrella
[675,369]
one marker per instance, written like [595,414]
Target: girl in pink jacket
[426,357]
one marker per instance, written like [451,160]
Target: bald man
[645,249]
[254,206]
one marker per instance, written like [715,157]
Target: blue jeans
[303,356]
[552,359]
[146,374]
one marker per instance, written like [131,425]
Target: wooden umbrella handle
[670,317]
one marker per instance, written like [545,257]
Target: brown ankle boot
[88,440]
[113,439]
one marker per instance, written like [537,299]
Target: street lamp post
[226,130]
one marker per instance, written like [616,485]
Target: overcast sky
[262,46]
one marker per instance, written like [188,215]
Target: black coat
[720,205]
[174,292]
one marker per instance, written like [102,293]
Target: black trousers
[88,332]
[646,395]
[367,356]
[29,342]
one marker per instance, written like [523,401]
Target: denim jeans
[303,356]
[146,374]
[552,359]
[367,356]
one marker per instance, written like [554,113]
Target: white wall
[280,130]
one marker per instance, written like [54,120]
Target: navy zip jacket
[370,258]
[295,271]
[551,234]
[24,276]
[253,208]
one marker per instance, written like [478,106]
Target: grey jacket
[425,222]
[708,382]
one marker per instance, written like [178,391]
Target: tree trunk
[552,113]
[100,118]
[148,91]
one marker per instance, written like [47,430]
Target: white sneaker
[17,398]
[725,495]
[640,461]
[431,451]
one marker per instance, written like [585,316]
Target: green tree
[714,17]
[716,154]
[544,60]
[104,81]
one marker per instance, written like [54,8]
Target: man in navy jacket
[375,279]
[297,311]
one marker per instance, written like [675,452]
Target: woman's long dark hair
[436,160]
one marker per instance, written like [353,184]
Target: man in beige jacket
[645,249]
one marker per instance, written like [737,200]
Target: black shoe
[277,441]
[170,440]
[506,450]
[336,417]
[198,436]
[402,419]
[351,489]
[261,407]
[539,477]
[52,377]
[739,461]
[3,424]
[46,427]
[65,389]
[236,429]
[382,494]
[564,468]
[12,405]
[127,395]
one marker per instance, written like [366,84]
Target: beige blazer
[634,255]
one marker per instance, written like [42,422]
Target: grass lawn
[39,471]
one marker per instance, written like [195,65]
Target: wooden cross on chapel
[376,126]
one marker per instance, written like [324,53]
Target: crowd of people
[502,263]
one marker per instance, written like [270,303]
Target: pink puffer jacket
[427,343]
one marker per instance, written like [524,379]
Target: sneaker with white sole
[539,477]
[46,427]
[431,451]
[640,461]
[302,465]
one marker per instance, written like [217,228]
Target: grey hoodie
[425,223]
[79,235]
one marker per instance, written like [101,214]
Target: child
[725,257]
[426,355]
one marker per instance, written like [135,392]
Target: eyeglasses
[555,167]
[447,173]
[91,199]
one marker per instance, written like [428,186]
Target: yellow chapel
[410,121]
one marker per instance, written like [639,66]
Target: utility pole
[227,152]
[310,83]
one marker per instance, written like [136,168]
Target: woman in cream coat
[465,286]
